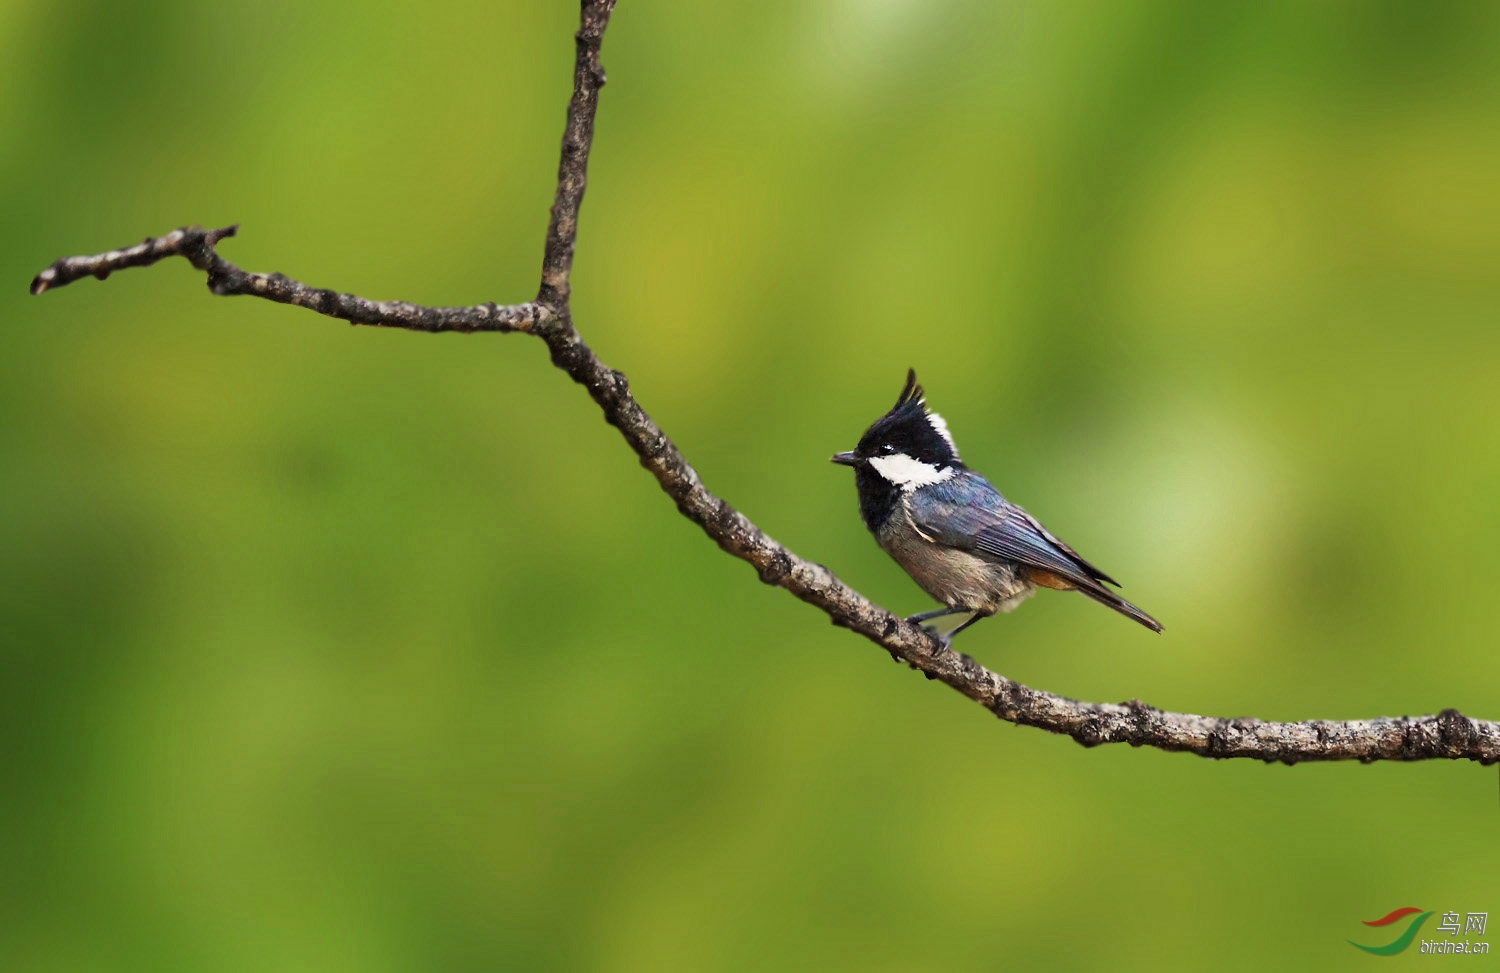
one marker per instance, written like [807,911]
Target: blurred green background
[331,648]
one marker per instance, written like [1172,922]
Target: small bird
[965,544]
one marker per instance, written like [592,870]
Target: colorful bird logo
[1400,942]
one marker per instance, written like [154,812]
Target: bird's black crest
[911,393]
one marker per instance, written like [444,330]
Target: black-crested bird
[964,543]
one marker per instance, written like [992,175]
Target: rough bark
[1449,735]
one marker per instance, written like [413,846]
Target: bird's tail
[1109,599]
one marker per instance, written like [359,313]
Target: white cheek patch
[907,473]
[941,428]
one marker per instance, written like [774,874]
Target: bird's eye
[888,449]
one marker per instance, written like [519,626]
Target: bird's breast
[952,576]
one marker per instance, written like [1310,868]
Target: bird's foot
[946,638]
[936,633]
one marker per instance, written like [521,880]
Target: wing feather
[983,522]
[1019,537]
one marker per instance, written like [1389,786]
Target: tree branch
[224,278]
[1449,735]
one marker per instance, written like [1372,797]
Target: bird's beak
[844,459]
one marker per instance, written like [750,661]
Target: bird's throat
[878,498]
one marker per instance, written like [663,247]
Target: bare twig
[578,139]
[1448,735]
[197,245]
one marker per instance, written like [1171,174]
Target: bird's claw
[933,630]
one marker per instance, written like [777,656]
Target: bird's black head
[909,431]
[906,448]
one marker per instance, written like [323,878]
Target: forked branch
[1448,735]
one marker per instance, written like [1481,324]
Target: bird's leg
[937,613]
[972,619]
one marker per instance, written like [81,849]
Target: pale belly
[955,578]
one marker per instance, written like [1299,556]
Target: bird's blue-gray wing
[971,515]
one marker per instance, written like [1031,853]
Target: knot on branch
[1142,721]
[775,570]
[1456,732]
[1091,732]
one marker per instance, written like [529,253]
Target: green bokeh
[329,648]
